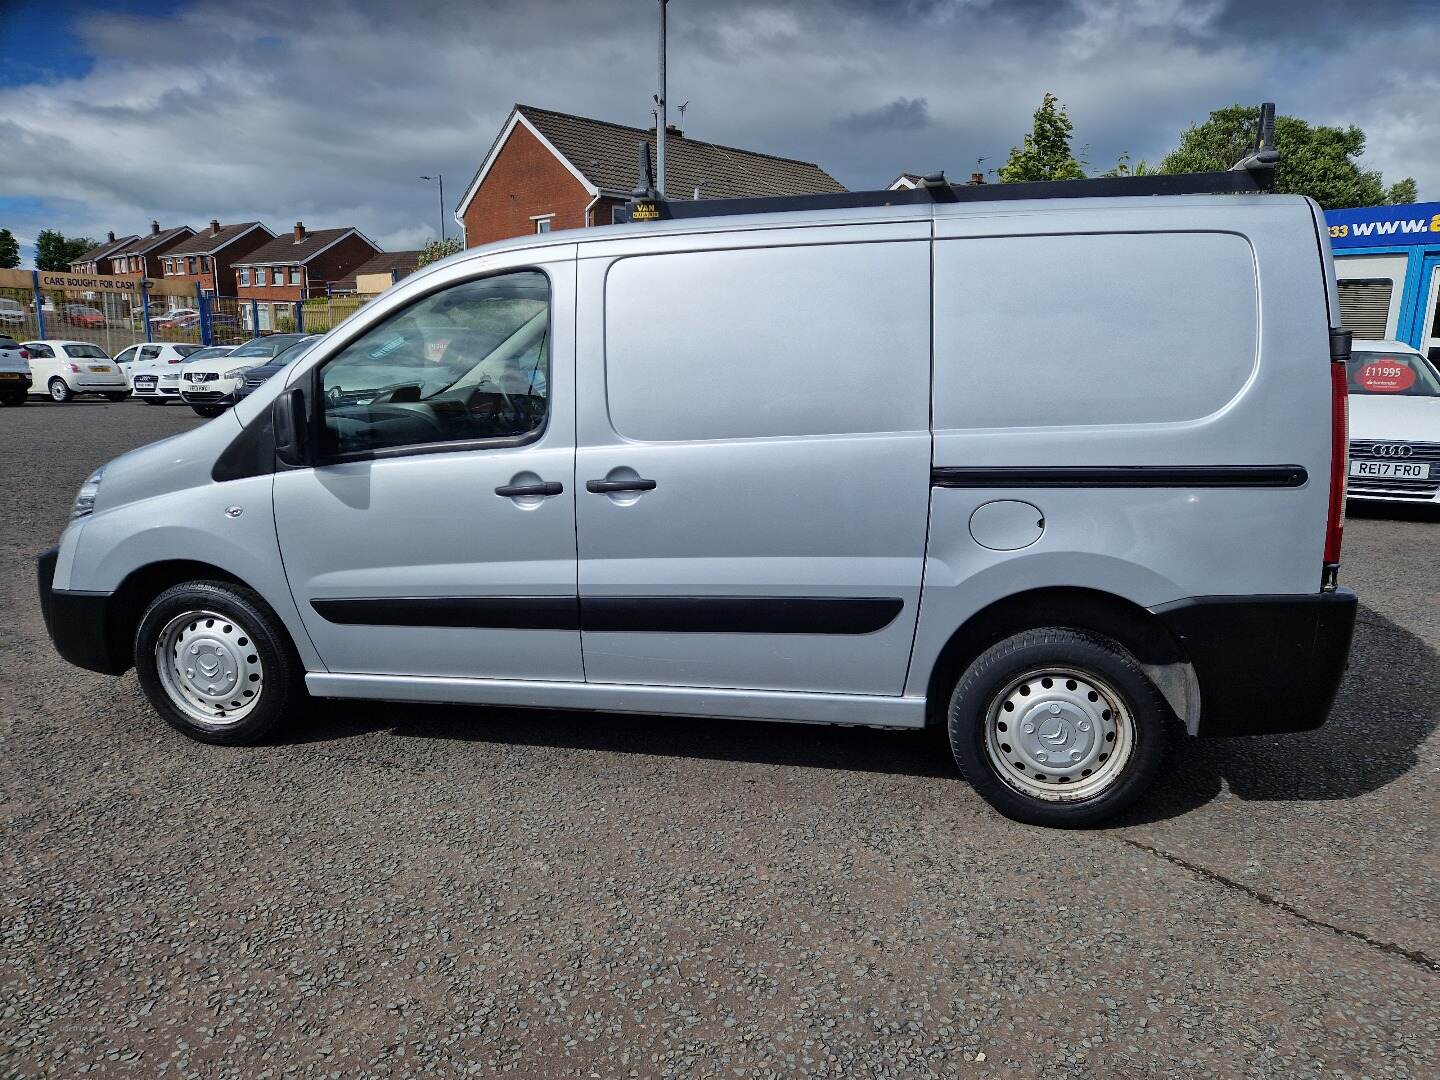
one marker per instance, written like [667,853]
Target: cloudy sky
[113,113]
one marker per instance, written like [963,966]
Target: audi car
[1394,424]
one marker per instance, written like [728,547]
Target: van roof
[922,211]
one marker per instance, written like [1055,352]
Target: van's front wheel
[1057,727]
[215,662]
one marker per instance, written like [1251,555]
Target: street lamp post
[440,179]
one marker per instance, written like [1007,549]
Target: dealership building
[1387,260]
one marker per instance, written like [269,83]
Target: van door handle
[602,487]
[534,487]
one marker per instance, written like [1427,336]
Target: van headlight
[85,498]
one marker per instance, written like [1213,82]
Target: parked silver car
[1053,474]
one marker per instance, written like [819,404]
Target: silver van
[1057,473]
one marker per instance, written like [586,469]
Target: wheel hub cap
[209,667]
[1059,734]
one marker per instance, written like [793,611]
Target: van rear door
[753,457]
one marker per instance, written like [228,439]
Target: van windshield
[1393,374]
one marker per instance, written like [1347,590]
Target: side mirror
[287,417]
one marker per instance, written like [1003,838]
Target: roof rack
[1253,173]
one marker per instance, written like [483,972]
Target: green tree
[1317,161]
[437,250]
[1403,191]
[1045,154]
[1124,168]
[9,250]
[55,251]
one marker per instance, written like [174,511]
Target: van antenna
[645,182]
[1261,162]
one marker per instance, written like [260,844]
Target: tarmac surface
[397,890]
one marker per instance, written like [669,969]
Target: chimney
[111,236]
[214,226]
[976,179]
[154,228]
[299,232]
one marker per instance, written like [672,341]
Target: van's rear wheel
[215,662]
[1057,727]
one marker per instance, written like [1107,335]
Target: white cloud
[328,111]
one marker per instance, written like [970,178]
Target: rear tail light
[1339,455]
[74,368]
[24,354]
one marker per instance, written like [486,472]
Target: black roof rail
[1253,173]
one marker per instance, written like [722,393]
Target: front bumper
[80,624]
[1265,664]
[222,401]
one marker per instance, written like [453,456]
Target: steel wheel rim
[1059,734]
[209,667]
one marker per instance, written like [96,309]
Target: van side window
[816,340]
[466,364]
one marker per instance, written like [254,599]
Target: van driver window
[468,363]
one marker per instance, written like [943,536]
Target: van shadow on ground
[1388,705]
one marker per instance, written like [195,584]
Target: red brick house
[549,170]
[97,259]
[142,255]
[296,266]
[208,258]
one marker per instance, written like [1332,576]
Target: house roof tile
[605,153]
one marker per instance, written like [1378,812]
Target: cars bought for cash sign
[50,279]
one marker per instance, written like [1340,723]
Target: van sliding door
[753,458]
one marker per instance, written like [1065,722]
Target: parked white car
[14,372]
[12,312]
[1394,424]
[209,386]
[62,369]
[143,364]
[168,388]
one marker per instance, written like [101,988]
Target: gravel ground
[402,890]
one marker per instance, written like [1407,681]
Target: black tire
[14,399]
[116,397]
[1033,652]
[60,391]
[255,627]
[207,411]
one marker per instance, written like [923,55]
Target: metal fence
[116,313]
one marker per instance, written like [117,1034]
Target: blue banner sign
[1384,226]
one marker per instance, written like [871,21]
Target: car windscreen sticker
[1386,376]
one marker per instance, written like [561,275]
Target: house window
[260,275]
[297,276]
[168,267]
[542,224]
[244,275]
[617,214]
[189,264]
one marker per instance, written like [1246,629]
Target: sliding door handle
[534,487]
[605,487]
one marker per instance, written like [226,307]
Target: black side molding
[473,612]
[740,614]
[1119,476]
[634,614]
